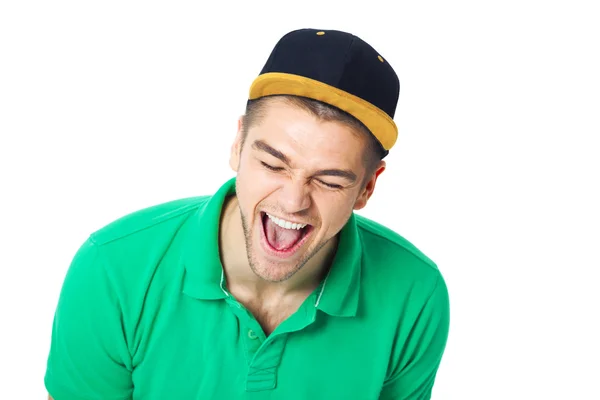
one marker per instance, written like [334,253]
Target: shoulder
[135,260]
[141,249]
[383,245]
[153,220]
[400,284]
[391,262]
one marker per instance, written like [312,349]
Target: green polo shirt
[144,313]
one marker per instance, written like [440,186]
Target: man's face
[298,180]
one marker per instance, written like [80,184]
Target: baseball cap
[337,68]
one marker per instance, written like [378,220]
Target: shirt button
[252,335]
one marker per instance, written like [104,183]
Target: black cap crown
[338,68]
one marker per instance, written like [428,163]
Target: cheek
[335,212]
[254,185]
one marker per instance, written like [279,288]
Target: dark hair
[374,152]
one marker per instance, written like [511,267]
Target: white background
[107,107]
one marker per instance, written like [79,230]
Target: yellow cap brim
[377,121]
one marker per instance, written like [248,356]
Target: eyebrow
[342,173]
[261,145]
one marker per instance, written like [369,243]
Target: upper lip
[287,219]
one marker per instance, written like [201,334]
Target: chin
[271,272]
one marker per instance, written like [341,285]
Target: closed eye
[270,167]
[278,169]
[331,186]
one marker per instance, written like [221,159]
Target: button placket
[262,371]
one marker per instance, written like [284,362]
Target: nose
[295,196]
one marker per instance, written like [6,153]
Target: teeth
[285,224]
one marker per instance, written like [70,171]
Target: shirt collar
[202,262]
[338,294]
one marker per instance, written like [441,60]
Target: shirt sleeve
[89,357]
[414,372]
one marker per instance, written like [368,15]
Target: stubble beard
[254,264]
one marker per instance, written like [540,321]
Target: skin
[301,169]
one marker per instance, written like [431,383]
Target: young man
[271,288]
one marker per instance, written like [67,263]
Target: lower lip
[281,253]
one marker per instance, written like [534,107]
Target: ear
[367,191]
[236,146]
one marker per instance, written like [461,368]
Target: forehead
[297,132]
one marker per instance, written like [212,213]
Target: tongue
[280,238]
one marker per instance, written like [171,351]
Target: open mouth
[283,238]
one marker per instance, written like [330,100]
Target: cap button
[321,33]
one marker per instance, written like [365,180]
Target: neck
[237,268]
